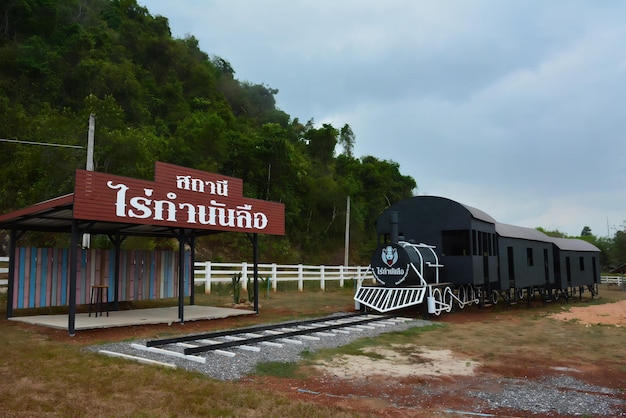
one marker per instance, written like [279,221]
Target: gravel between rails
[563,395]
[244,362]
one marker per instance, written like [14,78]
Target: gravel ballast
[221,367]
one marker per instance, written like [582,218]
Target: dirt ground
[430,383]
[387,387]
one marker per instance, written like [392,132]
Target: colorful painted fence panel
[42,275]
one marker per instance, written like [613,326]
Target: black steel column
[181,276]
[71,324]
[255,260]
[192,244]
[117,241]
[11,281]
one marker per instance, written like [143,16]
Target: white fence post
[322,282]
[207,277]
[244,276]
[300,277]
[274,277]
[341,276]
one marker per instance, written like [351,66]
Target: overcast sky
[515,107]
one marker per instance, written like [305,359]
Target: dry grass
[43,376]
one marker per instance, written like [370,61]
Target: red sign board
[179,197]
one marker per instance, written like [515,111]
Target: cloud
[512,107]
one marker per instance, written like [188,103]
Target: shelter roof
[56,215]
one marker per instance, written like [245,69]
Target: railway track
[194,348]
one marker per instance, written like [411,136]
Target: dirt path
[605,314]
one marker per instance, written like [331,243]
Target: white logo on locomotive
[389,255]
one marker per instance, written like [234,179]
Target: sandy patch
[398,361]
[605,314]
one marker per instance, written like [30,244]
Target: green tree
[347,140]
[159,98]
[556,233]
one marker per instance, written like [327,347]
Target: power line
[40,143]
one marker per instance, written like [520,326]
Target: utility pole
[89,167]
[347,240]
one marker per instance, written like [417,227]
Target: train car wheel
[494,297]
[438,300]
[519,293]
[471,293]
[529,293]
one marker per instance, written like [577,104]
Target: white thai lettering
[171,208]
[142,205]
[120,199]
[191,211]
[244,217]
[260,220]
[222,187]
[202,215]
[182,182]
[197,185]
[166,209]
[211,186]
[219,187]
[226,217]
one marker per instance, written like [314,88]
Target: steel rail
[253,329]
[287,334]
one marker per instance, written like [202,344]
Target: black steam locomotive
[441,252]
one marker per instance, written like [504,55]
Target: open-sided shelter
[180,203]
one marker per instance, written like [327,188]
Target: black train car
[576,264]
[492,257]
[526,259]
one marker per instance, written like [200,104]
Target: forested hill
[160,98]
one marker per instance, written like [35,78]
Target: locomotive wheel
[447,299]
[438,299]
[471,293]
[462,296]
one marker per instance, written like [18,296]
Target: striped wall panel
[42,275]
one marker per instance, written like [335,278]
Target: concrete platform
[133,317]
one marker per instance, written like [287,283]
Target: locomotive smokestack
[393,226]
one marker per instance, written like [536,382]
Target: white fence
[4,270]
[207,273]
[617,280]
